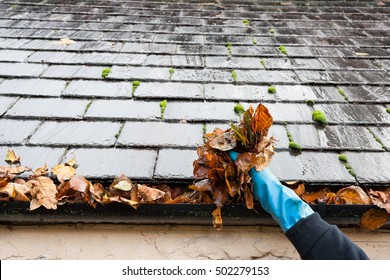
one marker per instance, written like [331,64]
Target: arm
[311,236]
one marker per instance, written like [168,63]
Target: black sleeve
[315,239]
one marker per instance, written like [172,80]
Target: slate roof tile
[55,98]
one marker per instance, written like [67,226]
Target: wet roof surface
[54,102]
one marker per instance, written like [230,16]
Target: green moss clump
[342,92]
[289,136]
[254,41]
[310,102]
[343,158]
[271,89]
[135,85]
[163,106]
[171,71]
[234,76]
[283,50]
[88,105]
[229,47]
[262,62]
[239,109]
[388,110]
[295,146]
[350,169]
[271,30]
[105,72]
[246,22]
[319,116]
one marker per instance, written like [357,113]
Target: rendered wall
[164,242]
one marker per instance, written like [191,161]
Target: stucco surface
[120,242]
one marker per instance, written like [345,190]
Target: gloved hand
[284,205]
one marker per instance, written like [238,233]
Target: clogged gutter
[219,180]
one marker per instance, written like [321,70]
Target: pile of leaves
[62,185]
[228,181]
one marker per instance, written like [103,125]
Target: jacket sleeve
[315,239]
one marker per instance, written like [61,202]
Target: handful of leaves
[228,181]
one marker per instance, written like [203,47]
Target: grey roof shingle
[54,102]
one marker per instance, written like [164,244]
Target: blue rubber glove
[284,205]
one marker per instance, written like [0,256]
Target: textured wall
[163,242]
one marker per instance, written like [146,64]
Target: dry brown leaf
[224,142]
[381,199]
[123,200]
[11,157]
[353,195]
[217,218]
[124,186]
[65,42]
[41,171]
[203,185]
[262,120]
[263,159]
[373,219]
[149,194]
[299,189]
[12,171]
[311,197]
[63,172]
[43,192]
[79,183]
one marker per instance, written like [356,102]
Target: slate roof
[54,102]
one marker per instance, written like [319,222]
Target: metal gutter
[17,213]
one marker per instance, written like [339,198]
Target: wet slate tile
[47,108]
[289,112]
[354,113]
[174,61]
[21,69]
[384,63]
[79,133]
[123,110]
[95,46]
[32,87]
[266,76]
[328,41]
[370,167]
[87,35]
[161,134]
[286,63]
[61,71]
[383,134]
[376,77]
[175,164]
[378,94]
[334,137]
[84,88]
[332,77]
[7,43]
[178,38]
[129,59]
[59,57]
[35,157]
[169,90]
[304,93]
[200,111]
[149,48]
[110,163]
[309,166]
[280,134]
[6,103]
[14,55]
[237,92]
[253,51]
[36,44]
[139,73]
[348,64]
[16,131]
[233,63]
